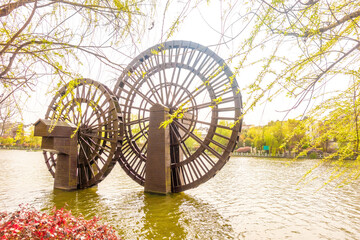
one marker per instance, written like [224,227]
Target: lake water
[250,198]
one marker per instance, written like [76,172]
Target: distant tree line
[289,137]
[21,139]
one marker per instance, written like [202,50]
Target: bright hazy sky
[195,29]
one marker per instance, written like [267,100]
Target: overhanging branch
[324,29]
[8,8]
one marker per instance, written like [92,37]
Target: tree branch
[12,58]
[305,92]
[8,8]
[338,22]
[12,92]
[324,29]
[20,30]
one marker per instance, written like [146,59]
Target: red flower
[28,223]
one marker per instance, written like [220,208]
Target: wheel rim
[188,75]
[95,111]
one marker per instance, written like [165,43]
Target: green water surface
[248,199]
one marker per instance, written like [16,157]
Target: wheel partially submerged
[95,111]
[202,95]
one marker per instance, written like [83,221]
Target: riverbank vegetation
[291,138]
[20,139]
[26,142]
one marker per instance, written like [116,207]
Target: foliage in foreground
[310,52]
[28,223]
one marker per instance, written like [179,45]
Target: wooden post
[59,141]
[158,172]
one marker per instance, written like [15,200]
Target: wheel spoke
[138,121]
[91,107]
[196,138]
[138,92]
[188,75]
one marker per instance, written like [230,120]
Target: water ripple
[251,198]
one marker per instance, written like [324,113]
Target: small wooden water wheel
[196,87]
[95,111]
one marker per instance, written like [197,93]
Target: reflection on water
[180,216]
[84,202]
[248,199]
[162,217]
[146,216]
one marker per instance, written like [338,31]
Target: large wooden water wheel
[201,93]
[95,112]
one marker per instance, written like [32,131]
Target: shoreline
[20,148]
[232,154]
